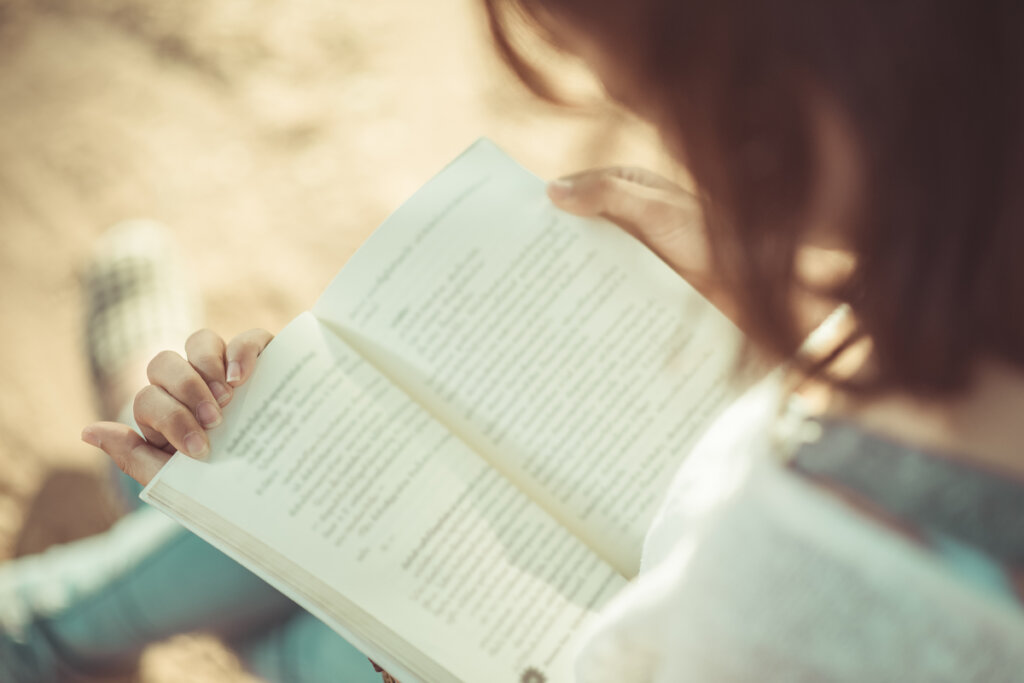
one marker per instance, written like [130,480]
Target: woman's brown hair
[932,91]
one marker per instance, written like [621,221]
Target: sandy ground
[272,137]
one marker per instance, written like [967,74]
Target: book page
[560,348]
[340,489]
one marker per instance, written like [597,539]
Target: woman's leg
[97,602]
[94,604]
[101,600]
[104,598]
[304,650]
[160,580]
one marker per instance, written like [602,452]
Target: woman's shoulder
[751,565]
[769,440]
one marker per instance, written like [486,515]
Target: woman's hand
[183,399]
[653,209]
[659,213]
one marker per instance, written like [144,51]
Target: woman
[843,153]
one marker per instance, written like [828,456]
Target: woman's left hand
[658,212]
[183,399]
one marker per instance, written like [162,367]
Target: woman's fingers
[205,351]
[653,209]
[182,381]
[183,400]
[639,201]
[162,417]
[631,174]
[133,455]
[242,352]
[602,192]
[659,213]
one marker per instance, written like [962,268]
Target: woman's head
[891,128]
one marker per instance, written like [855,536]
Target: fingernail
[91,437]
[195,445]
[220,392]
[208,414]
[234,371]
[561,187]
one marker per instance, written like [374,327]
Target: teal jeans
[147,579]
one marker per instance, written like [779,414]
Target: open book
[453,458]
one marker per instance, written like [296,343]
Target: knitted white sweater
[751,574]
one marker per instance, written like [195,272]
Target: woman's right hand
[183,400]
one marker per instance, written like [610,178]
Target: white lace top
[750,573]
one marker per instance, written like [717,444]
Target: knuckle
[251,347]
[189,388]
[206,361]
[251,342]
[256,335]
[166,357]
[131,466]
[627,173]
[160,361]
[636,175]
[124,463]
[605,183]
[200,335]
[173,421]
[663,215]
[144,397]
[178,379]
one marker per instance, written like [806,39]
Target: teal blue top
[970,516]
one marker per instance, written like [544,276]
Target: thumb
[640,202]
[602,192]
[132,454]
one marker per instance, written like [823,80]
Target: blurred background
[271,137]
